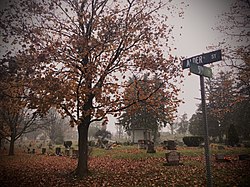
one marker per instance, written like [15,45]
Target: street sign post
[201,70]
[206,135]
[202,59]
[196,66]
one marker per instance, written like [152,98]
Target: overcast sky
[196,35]
[193,35]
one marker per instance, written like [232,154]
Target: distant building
[140,134]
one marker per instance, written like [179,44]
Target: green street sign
[201,70]
[202,59]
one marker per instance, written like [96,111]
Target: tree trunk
[82,166]
[12,144]
[172,129]
[154,136]
[1,139]
[220,137]
[221,131]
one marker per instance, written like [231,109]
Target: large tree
[222,95]
[234,25]
[16,118]
[182,124]
[152,113]
[84,51]
[196,125]
[228,103]
[242,108]
[221,98]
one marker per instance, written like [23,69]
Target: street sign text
[202,59]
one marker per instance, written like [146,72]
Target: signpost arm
[206,138]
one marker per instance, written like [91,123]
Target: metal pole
[206,139]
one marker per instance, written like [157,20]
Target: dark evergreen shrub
[91,143]
[169,144]
[67,144]
[193,141]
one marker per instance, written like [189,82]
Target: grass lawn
[125,166]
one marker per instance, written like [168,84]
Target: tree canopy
[16,118]
[81,53]
[227,104]
[152,113]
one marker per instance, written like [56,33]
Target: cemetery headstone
[50,145]
[246,143]
[141,144]
[58,151]
[92,143]
[173,158]
[67,152]
[43,151]
[150,147]
[221,158]
[221,147]
[244,157]
[75,153]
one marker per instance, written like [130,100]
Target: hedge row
[193,141]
